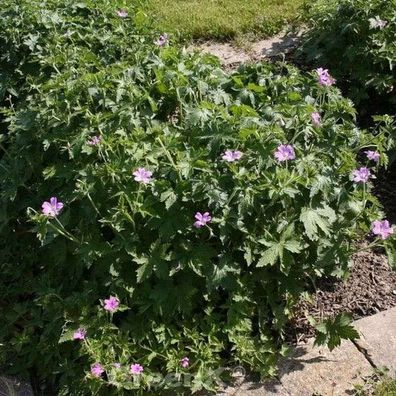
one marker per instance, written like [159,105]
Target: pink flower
[185,362]
[373,155]
[111,304]
[117,365]
[316,119]
[202,219]
[324,77]
[285,152]
[122,13]
[97,370]
[52,208]
[231,156]
[361,175]
[382,228]
[80,334]
[136,368]
[142,175]
[94,141]
[163,39]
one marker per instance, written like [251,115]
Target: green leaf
[333,330]
[293,246]
[145,269]
[248,255]
[269,256]
[317,219]
[169,197]
[66,336]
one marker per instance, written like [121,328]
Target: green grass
[386,388]
[222,19]
[379,384]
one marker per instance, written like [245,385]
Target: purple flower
[373,155]
[122,13]
[136,368]
[315,118]
[52,208]
[163,39]
[185,362]
[97,370]
[202,219]
[382,228]
[117,365]
[285,152]
[377,22]
[111,304]
[361,175]
[80,334]
[324,77]
[142,175]
[231,156]
[94,141]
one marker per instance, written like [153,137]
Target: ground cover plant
[207,19]
[355,40]
[160,217]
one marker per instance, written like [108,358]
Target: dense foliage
[355,39]
[122,270]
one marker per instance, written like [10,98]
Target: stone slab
[311,371]
[378,339]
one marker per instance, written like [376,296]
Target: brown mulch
[370,288]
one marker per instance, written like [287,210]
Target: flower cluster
[361,175]
[324,77]
[373,155]
[285,152]
[202,219]
[231,156]
[162,40]
[97,370]
[51,208]
[79,334]
[94,141]
[382,228]
[316,118]
[111,304]
[185,362]
[136,368]
[143,176]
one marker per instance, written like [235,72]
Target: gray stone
[313,371]
[378,339]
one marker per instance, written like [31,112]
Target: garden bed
[371,286]
[187,207]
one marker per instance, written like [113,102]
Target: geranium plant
[160,217]
[355,39]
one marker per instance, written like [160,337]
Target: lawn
[222,19]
